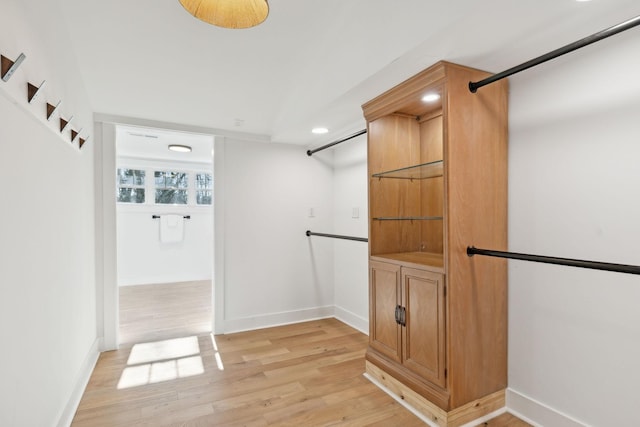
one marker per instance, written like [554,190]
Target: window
[171,187]
[204,187]
[130,186]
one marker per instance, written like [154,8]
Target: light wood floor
[307,374]
[168,310]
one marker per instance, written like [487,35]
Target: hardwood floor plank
[227,420]
[159,311]
[505,420]
[258,397]
[308,374]
[300,408]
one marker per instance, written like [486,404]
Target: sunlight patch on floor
[163,350]
[217,353]
[159,361]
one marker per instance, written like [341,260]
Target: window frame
[142,186]
[149,167]
[205,189]
[186,189]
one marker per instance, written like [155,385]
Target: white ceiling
[312,63]
[153,144]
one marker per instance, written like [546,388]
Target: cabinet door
[384,296]
[424,334]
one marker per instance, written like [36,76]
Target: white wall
[142,258]
[351,271]
[574,334]
[47,283]
[274,273]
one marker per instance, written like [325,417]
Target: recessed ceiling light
[319,131]
[431,97]
[180,148]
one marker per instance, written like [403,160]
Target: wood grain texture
[432,189]
[505,420]
[384,291]
[425,260]
[477,408]
[419,344]
[423,339]
[306,374]
[406,97]
[297,375]
[455,418]
[476,180]
[469,132]
[427,408]
[393,144]
[167,310]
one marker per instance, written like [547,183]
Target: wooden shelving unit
[437,184]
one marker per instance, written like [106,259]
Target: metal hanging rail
[474,86]
[619,268]
[158,216]
[362,132]
[337,236]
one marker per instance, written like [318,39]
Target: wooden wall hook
[74,134]
[64,123]
[8,67]
[52,109]
[32,91]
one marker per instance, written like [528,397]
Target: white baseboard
[155,280]
[82,380]
[537,413]
[277,319]
[352,319]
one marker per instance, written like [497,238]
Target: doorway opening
[164,228]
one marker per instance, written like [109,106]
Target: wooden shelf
[411,259]
[422,171]
[407,218]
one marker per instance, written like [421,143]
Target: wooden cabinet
[385,297]
[424,325]
[437,184]
[407,312]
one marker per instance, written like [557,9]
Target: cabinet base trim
[427,411]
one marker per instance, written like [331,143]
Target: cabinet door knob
[398,308]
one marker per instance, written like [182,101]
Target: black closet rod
[337,236]
[620,268]
[474,86]
[310,152]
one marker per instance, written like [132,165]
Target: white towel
[171,228]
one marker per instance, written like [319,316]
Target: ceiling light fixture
[431,97]
[228,13]
[319,131]
[180,148]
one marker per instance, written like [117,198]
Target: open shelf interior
[421,171]
[407,213]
